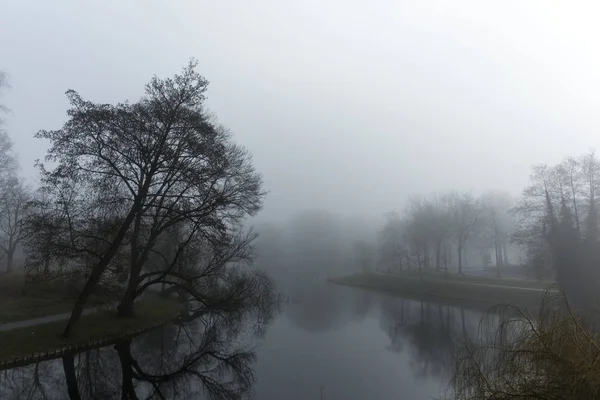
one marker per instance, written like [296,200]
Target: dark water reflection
[329,341]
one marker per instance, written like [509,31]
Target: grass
[21,342]
[483,280]
[457,289]
[17,309]
[21,299]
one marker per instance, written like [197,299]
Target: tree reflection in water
[202,355]
[431,333]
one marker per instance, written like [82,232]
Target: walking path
[44,320]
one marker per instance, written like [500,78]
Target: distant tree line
[551,230]
[444,231]
[557,220]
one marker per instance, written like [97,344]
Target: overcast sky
[346,105]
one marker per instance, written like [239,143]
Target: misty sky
[346,105]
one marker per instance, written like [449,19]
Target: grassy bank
[483,280]
[21,299]
[470,289]
[18,343]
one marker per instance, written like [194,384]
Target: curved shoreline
[57,352]
[454,289]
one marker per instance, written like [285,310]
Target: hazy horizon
[345,106]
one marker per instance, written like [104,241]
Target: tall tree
[497,223]
[590,169]
[13,202]
[159,162]
[391,245]
[441,221]
[465,214]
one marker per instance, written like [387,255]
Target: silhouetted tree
[561,206]
[139,169]
[465,215]
[13,203]
[392,249]
[497,223]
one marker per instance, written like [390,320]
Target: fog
[444,152]
[345,106]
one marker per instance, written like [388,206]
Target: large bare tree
[140,169]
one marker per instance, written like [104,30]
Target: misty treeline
[449,230]
[147,194]
[557,218]
[313,245]
[551,230]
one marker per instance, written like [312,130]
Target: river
[328,342]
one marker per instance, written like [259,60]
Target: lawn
[457,289]
[21,299]
[483,280]
[18,343]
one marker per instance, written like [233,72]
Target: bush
[552,355]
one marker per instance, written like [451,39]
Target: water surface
[328,342]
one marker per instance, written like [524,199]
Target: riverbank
[465,288]
[23,346]
[23,298]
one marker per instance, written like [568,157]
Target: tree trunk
[46,265]
[71,377]
[438,255]
[97,272]
[446,260]
[459,251]
[574,197]
[127,388]
[462,322]
[498,252]
[397,260]
[83,297]
[505,255]
[10,255]
[125,308]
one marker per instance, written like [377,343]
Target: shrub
[552,355]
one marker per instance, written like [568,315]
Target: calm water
[329,342]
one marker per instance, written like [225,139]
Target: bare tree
[442,229]
[465,215]
[155,164]
[497,223]
[590,171]
[13,202]
[391,244]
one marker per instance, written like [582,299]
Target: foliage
[551,355]
[440,230]
[126,176]
[557,220]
